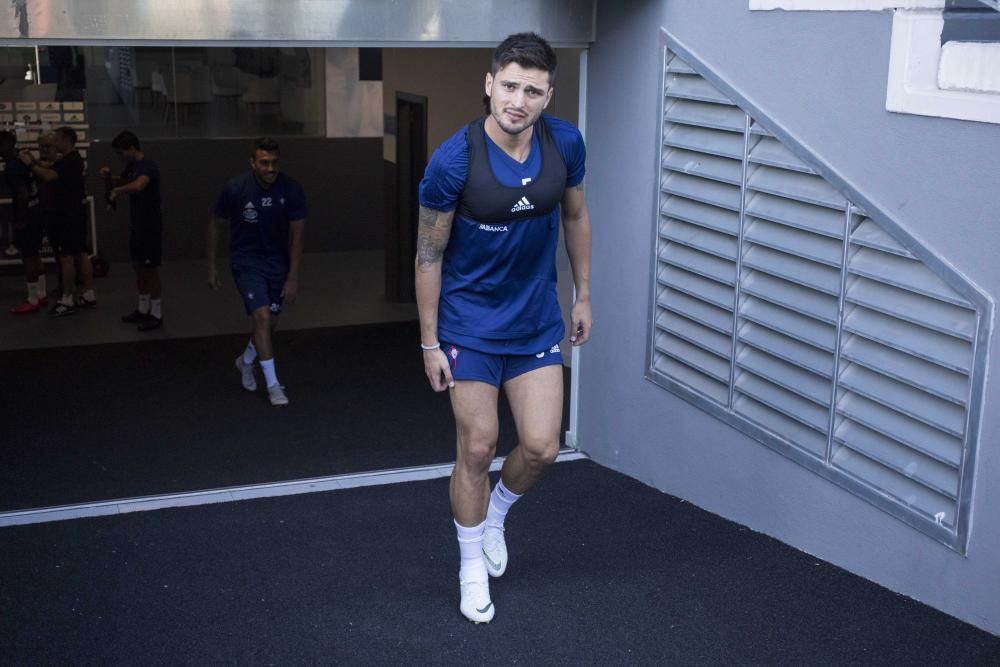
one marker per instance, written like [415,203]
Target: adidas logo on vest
[522,205]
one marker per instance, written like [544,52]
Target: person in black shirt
[27,223]
[141,181]
[68,226]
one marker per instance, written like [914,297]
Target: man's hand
[290,291]
[213,278]
[26,157]
[582,323]
[105,172]
[113,194]
[437,370]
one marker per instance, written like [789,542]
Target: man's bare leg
[536,401]
[477,426]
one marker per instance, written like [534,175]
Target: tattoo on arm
[432,236]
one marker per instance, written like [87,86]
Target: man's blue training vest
[499,275]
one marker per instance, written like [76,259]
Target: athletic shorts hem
[550,360]
[485,380]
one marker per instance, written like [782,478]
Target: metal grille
[782,307]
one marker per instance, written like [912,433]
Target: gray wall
[823,77]
[342,179]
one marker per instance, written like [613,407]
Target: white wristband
[435,346]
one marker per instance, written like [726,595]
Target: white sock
[470,545]
[42,288]
[67,300]
[155,308]
[500,501]
[144,304]
[270,376]
[249,354]
[89,295]
[33,293]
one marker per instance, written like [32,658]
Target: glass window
[164,92]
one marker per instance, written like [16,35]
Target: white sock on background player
[270,375]
[155,308]
[143,306]
[249,354]
[33,293]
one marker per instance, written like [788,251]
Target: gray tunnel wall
[821,75]
[342,178]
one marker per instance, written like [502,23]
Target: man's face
[265,166]
[63,144]
[518,96]
[127,154]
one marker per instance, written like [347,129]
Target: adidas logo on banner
[522,205]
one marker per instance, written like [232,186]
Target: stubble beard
[512,130]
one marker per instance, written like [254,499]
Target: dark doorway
[411,158]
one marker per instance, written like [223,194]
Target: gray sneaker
[276,393]
[246,374]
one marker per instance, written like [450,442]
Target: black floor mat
[114,421]
[603,571]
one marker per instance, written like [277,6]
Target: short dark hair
[266,144]
[67,133]
[527,49]
[126,140]
[7,138]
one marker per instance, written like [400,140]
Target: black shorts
[260,287]
[28,237]
[68,234]
[145,245]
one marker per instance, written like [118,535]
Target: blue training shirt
[498,281]
[258,219]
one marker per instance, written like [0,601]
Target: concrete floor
[337,289]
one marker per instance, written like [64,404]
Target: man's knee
[262,318]
[540,449]
[477,446]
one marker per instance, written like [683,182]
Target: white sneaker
[246,374]
[276,393]
[476,604]
[494,550]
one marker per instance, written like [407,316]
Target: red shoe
[25,307]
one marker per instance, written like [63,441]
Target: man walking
[490,207]
[266,213]
[140,180]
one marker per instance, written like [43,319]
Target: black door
[411,158]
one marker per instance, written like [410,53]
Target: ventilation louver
[782,307]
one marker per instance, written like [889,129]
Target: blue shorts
[260,288]
[496,369]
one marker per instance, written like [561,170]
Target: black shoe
[62,310]
[83,302]
[150,323]
[134,317]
